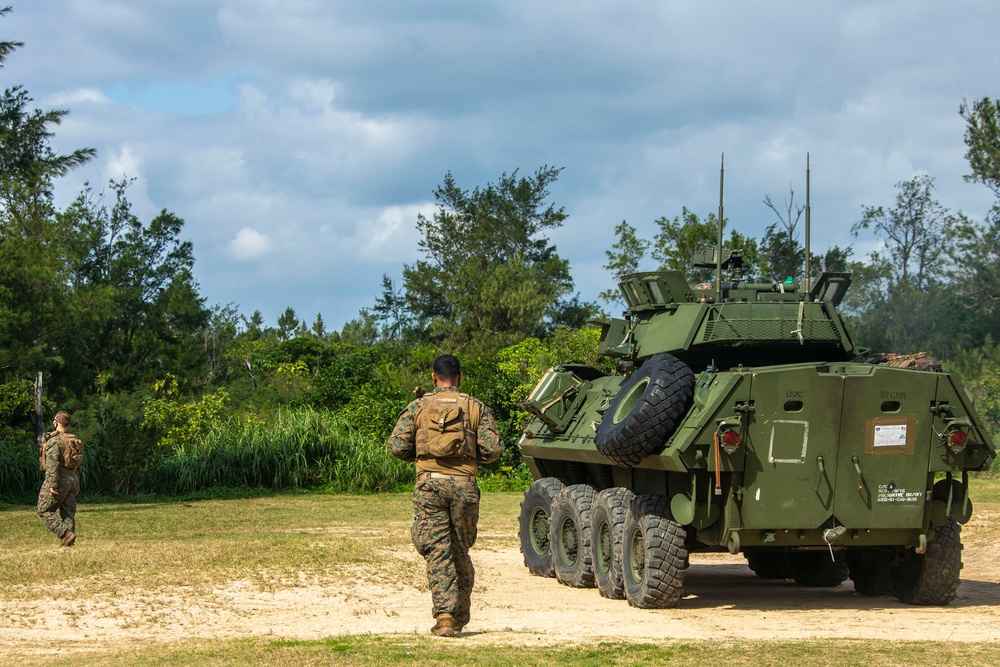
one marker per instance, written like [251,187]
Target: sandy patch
[723,599]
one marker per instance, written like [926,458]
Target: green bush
[373,410]
[178,421]
[17,406]
[119,447]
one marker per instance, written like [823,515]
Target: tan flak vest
[70,452]
[447,425]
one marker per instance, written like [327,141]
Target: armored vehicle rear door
[885,440]
[792,448]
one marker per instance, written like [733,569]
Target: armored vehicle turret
[744,420]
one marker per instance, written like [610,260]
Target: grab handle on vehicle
[861,477]
[718,464]
[966,510]
[822,472]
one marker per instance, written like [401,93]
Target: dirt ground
[723,599]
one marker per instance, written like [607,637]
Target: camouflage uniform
[446,508]
[67,486]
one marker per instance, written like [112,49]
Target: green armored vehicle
[742,421]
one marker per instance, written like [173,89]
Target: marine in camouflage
[446,506]
[57,498]
[445,518]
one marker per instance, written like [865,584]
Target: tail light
[729,440]
[958,439]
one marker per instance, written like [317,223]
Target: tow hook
[831,535]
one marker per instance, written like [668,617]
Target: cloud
[301,136]
[391,236]
[249,245]
[70,98]
[126,162]
[306,136]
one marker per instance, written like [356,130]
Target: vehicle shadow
[734,586]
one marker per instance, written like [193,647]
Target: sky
[300,139]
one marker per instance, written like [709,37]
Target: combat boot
[445,626]
[68,539]
[461,620]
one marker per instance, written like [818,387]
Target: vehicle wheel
[646,411]
[570,535]
[869,570]
[654,557]
[815,568]
[533,525]
[607,526]
[931,578]
[769,564]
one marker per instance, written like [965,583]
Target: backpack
[70,452]
[443,427]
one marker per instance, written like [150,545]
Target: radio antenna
[807,277]
[718,247]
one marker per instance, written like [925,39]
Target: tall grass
[18,466]
[297,448]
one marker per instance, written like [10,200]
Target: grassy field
[428,652]
[268,540]
[278,540]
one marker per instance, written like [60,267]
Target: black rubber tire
[769,564]
[533,525]
[607,527]
[570,535]
[654,558]
[816,570]
[931,578]
[646,411]
[869,571]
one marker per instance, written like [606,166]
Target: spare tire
[647,410]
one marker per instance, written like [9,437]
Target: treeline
[173,395]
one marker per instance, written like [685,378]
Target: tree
[982,139]
[6,48]
[32,264]
[976,253]
[489,273]
[391,310]
[319,327]
[898,298]
[361,331]
[975,262]
[135,304]
[624,257]
[784,254]
[28,164]
[287,322]
[219,338]
[836,259]
[915,233]
[255,325]
[679,239]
